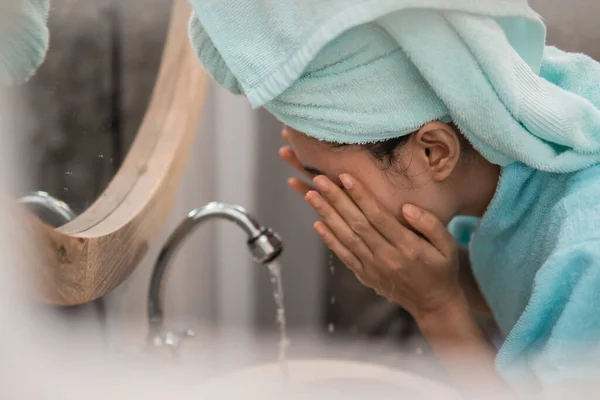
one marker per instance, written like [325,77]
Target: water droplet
[419,351]
[101,155]
[280,317]
[331,264]
[331,328]
[332,300]
[190,333]
[65,189]
[68,173]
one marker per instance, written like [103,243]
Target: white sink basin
[324,379]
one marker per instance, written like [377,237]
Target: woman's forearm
[462,347]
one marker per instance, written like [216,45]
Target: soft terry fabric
[23,38]
[315,67]
[536,257]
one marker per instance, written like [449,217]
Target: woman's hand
[287,154]
[419,274]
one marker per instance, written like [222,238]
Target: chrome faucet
[50,210]
[264,245]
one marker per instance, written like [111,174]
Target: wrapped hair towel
[356,71]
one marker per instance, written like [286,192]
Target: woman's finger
[300,187]
[345,255]
[354,217]
[336,224]
[285,136]
[431,227]
[377,215]
[289,156]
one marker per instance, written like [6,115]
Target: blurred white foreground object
[325,379]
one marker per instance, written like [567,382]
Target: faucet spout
[264,245]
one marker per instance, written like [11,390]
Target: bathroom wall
[572,25]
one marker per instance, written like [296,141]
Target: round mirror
[106,123]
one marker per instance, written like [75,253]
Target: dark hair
[386,151]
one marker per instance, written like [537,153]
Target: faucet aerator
[266,247]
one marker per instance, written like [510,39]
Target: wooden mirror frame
[88,257]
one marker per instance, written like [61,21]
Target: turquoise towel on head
[356,71]
[24,39]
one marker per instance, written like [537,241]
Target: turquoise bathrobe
[536,256]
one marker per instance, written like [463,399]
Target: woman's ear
[440,145]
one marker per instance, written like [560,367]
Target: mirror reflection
[85,104]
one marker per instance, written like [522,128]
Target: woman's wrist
[453,331]
[455,310]
[462,347]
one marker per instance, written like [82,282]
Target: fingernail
[319,229]
[321,183]
[313,198]
[412,211]
[347,182]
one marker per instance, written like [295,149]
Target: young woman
[385,207]
[422,115]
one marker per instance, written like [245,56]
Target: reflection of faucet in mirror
[54,212]
[264,245]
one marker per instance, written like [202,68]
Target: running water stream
[284,341]
[331,265]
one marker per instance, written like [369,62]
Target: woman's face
[412,181]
